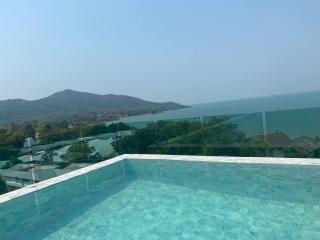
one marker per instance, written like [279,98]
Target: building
[20,176]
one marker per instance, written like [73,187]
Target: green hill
[69,104]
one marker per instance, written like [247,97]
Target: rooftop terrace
[269,196]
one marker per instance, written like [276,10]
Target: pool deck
[245,160]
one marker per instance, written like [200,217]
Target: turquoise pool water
[149,199]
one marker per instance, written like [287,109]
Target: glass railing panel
[14,169]
[230,135]
[55,150]
[177,137]
[162,137]
[234,135]
[135,140]
[60,154]
[294,133]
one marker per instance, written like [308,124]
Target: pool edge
[218,159]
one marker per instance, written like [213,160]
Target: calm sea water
[247,115]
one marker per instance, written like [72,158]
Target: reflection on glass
[33,152]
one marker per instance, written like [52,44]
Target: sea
[296,115]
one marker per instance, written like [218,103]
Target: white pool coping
[246,160]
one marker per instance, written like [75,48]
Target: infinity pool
[166,199]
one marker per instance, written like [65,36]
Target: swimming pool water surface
[156,199]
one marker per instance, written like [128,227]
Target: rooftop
[140,193]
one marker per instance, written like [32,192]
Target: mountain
[69,104]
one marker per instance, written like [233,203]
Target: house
[307,147]
[31,158]
[75,166]
[275,142]
[3,164]
[17,179]
[21,176]
[23,167]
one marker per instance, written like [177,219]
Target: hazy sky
[186,51]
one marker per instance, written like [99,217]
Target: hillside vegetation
[78,106]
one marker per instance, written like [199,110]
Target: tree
[14,160]
[154,134]
[47,128]
[115,127]
[93,129]
[14,138]
[78,153]
[216,137]
[3,186]
[290,152]
[59,134]
[7,152]
[29,131]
